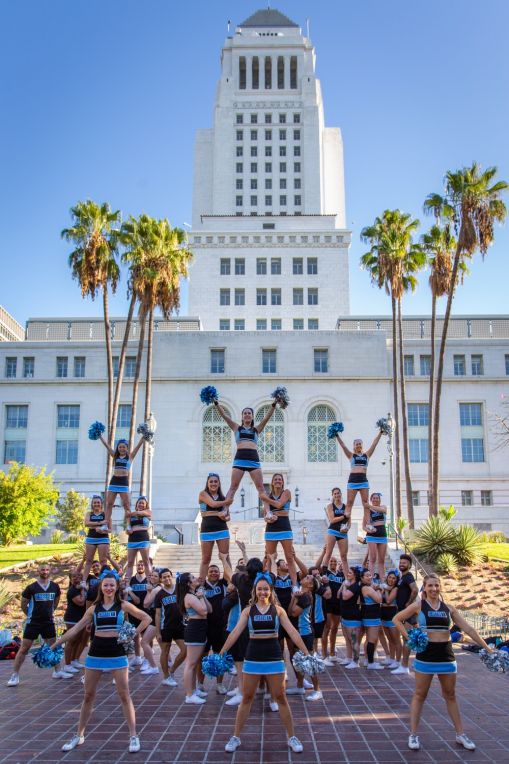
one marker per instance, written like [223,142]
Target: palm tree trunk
[397,477]
[404,419]
[440,374]
[136,380]
[431,401]
[109,366]
[148,401]
[121,365]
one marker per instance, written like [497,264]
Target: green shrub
[497,537]
[447,513]
[467,545]
[446,563]
[434,538]
[57,537]
[5,597]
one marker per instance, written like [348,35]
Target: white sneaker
[233,692]
[352,665]
[307,684]
[14,680]
[134,744]
[170,681]
[345,661]
[136,661]
[295,744]
[221,689]
[273,706]
[334,658]
[315,695]
[61,675]
[392,665]
[235,700]
[149,670]
[465,742]
[194,700]
[401,670]
[201,693]
[328,662]
[295,691]
[267,696]
[145,664]
[73,742]
[375,666]
[77,664]
[233,671]
[232,744]
[70,669]
[413,742]
[82,680]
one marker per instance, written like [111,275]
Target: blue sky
[101,99]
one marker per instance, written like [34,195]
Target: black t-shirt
[404,590]
[215,594]
[41,601]
[139,589]
[171,617]
[244,586]
[93,587]
[283,589]
[73,612]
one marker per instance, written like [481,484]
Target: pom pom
[417,640]
[335,428]
[95,430]
[217,665]
[307,664]
[384,426]
[126,635]
[497,661]
[281,396]
[208,394]
[45,657]
[5,637]
[144,430]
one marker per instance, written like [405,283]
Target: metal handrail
[180,533]
[419,567]
[487,625]
[257,508]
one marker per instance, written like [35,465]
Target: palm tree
[93,263]
[472,202]
[158,259]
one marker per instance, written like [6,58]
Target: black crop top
[434,620]
[263,624]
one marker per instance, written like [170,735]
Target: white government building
[269,305]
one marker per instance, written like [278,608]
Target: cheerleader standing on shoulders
[97,538]
[376,534]
[264,658]
[351,621]
[278,529]
[436,618]
[194,607]
[106,654]
[358,479]
[215,513]
[139,540]
[388,611]
[337,532]
[169,626]
[119,480]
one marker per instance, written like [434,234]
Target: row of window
[280,238]
[472,432]
[262,266]
[253,184]
[267,118]
[262,296]
[268,166]
[267,134]
[459,365]
[467,498]
[63,367]
[283,200]
[68,416]
[239,324]
[269,360]
[277,69]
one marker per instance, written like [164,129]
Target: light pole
[242,497]
[296,496]
[152,425]
[390,449]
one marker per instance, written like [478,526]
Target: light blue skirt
[95,542]
[371,622]
[279,536]
[376,539]
[336,534]
[106,664]
[138,544]
[215,536]
[351,624]
[357,486]
[442,667]
[263,667]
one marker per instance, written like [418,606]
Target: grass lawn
[500,551]
[11,555]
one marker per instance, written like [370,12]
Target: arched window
[216,437]
[271,443]
[320,448]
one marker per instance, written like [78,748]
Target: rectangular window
[282,135]
[280,73]
[312,266]
[268,200]
[297,183]
[66,452]
[238,201]
[240,297]
[240,266]
[261,266]
[130,367]
[268,183]
[254,151]
[225,266]
[282,119]
[217,361]
[467,498]
[296,166]
[298,324]
[416,498]
[242,75]
[486,498]
[321,360]
[282,200]
[282,151]
[282,167]
[268,151]
[275,266]
[28,367]
[239,151]
[62,364]
[296,135]
[408,365]
[261,297]
[254,166]
[459,366]
[418,448]
[282,183]
[254,135]
[293,72]
[298,297]
[472,449]
[79,366]
[268,73]
[124,415]
[254,184]
[239,325]
[240,119]
[470,414]
[254,200]
[240,135]
[16,417]
[14,451]
[239,167]
[224,296]
[477,366]
[68,417]
[507,364]
[313,324]
[297,200]
[269,362]
[425,361]
[296,151]
[239,184]
[298,266]
[224,324]
[418,414]
[275,297]
[313,296]
[254,119]
[268,166]
[275,324]
[296,119]
[261,324]
[268,135]
[10,367]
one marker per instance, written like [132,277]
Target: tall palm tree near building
[158,258]
[472,202]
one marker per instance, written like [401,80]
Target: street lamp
[152,425]
[304,535]
[242,497]
[296,496]
[390,449]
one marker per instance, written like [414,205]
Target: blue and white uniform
[120,483]
[357,480]
[139,538]
[212,528]
[350,608]
[379,534]
[370,610]
[195,630]
[334,528]
[281,530]
[246,459]
[93,536]
[105,653]
[437,657]
[388,611]
[304,622]
[263,654]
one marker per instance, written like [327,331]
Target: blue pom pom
[497,661]
[126,634]
[144,430]
[45,657]
[208,394]
[417,640]
[217,665]
[281,396]
[95,430]
[384,426]
[5,637]
[334,429]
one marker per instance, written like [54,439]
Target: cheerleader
[246,459]
[264,658]
[106,654]
[149,665]
[388,611]
[194,607]
[371,599]
[436,618]
[136,592]
[300,612]
[119,480]
[169,626]
[358,479]
[97,538]
[139,540]
[335,579]
[351,622]
[215,588]
[376,534]
[337,532]
[276,507]
[74,612]
[215,513]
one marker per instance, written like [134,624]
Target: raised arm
[372,447]
[260,427]
[301,566]
[197,603]
[229,421]
[319,561]
[227,568]
[136,449]
[342,443]
[107,446]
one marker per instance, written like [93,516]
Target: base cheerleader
[388,610]
[278,529]
[351,622]
[337,532]
[169,626]
[214,512]
[374,520]
[371,600]
[358,478]
[194,607]
[138,538]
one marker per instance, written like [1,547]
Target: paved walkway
[363,718]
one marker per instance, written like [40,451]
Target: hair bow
[263,576]
[124,441]
[109,574]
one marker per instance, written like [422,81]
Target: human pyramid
[241,619]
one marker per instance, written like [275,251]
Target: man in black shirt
[38,601]
[215,589]
[406,594]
